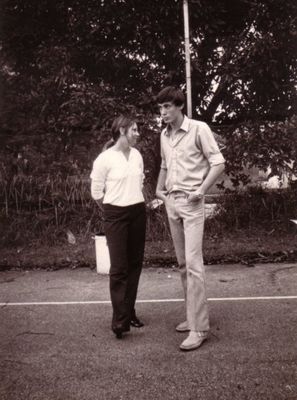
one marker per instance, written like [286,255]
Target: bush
[44,209]
[255,208]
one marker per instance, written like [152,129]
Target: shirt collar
[184,126]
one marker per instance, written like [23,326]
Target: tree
[55,54]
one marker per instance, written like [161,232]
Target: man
[191,163]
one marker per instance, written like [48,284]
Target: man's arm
[213,174]
[161,190]
[210,149]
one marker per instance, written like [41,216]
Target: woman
[117,181]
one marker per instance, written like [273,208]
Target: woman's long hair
[120,122]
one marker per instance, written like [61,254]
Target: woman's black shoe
[136,323]
[119,335]
[120,330]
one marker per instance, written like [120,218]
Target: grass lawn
[246,247]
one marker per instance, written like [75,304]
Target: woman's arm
[98,178]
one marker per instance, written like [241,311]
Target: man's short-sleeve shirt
[189,156]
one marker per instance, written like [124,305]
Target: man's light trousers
[186,222]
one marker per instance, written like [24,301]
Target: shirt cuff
[216,159]
[163,165]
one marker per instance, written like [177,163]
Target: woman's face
[132,135]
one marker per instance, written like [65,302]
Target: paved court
[56,342]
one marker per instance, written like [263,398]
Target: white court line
[57,303]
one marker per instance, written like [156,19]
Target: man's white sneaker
[194,340]
[182,327]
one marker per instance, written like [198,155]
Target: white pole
[188,58]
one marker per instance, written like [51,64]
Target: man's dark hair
[171,93]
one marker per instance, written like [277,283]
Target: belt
[179,194]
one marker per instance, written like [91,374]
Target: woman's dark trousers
[125,233]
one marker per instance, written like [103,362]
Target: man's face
[170,112]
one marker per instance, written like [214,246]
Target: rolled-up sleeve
[98,178]
[209,146]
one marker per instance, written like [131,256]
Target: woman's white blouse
[118,180]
